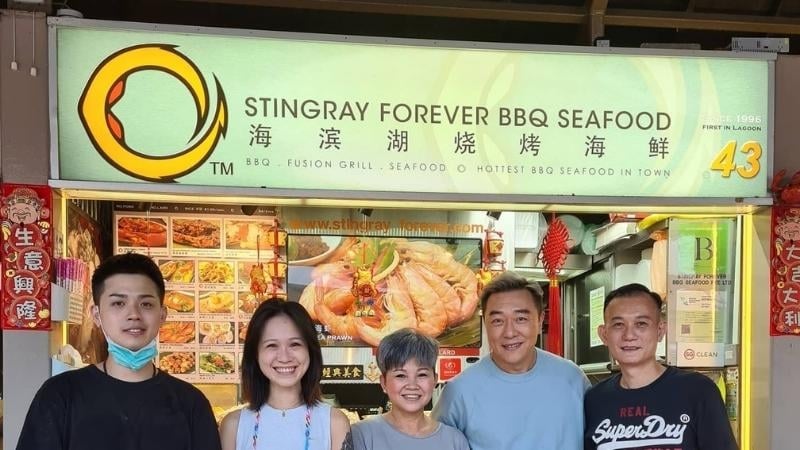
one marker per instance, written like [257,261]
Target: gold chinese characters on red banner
[785,271]
[27,253]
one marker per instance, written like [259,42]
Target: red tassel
[555,340]
[553,254]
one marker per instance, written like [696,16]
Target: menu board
[206,259]
[359,289]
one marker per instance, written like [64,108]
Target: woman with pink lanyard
[281,371]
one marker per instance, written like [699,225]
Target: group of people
[518,397]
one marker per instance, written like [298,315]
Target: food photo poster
[358,289]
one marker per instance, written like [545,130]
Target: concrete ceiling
[626,23]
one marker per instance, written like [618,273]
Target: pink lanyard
[308,427]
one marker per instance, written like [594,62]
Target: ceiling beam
[534,13]
[778,7]
[701,21]
[463,9]
[596,23]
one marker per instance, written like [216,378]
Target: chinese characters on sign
[398,140]
[464,143]
[330,138]
[530,143]
[352,372]
[260,135]
[26,253]
[785,272]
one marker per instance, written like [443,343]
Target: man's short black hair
[630,290]
[126,263]
[510,281]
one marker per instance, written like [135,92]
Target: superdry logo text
[654,431]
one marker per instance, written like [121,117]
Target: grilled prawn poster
[359,289]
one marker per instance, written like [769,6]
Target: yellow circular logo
[107,85]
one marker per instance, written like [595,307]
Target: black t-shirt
[86,409]
[680,410]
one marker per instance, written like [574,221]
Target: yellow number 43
[724,161]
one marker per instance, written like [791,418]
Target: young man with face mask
[124,402]
[648,405]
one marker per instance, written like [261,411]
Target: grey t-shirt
[376,433]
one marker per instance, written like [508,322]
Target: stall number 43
[724,161]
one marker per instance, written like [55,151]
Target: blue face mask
[125,357]
[133,360]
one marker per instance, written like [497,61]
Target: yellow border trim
[745,439]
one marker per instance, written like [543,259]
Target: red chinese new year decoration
[785,256]
[262,281]
[492,263]
[553,254]
[788,194]
[785,271]
[364,290]
[27,253]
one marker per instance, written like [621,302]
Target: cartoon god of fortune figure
[24,207]
[364,291]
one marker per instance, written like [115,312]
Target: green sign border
[509,177]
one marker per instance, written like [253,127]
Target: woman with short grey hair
[407,359]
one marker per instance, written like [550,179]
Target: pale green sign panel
[139,106]
[701,278]
[596,300]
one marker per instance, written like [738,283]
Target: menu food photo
[358,289]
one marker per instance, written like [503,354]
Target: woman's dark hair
[255,385]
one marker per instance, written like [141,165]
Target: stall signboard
[207,255]
[27,252]
[343,372]
[785,271]
[701,291]
[281,111]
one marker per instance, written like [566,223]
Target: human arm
[586,383]
[228,428]
[713,428]
[341,439]
[588,443]
[459,441]
[44,425]
[447,409]
[359,440]
[204,426]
